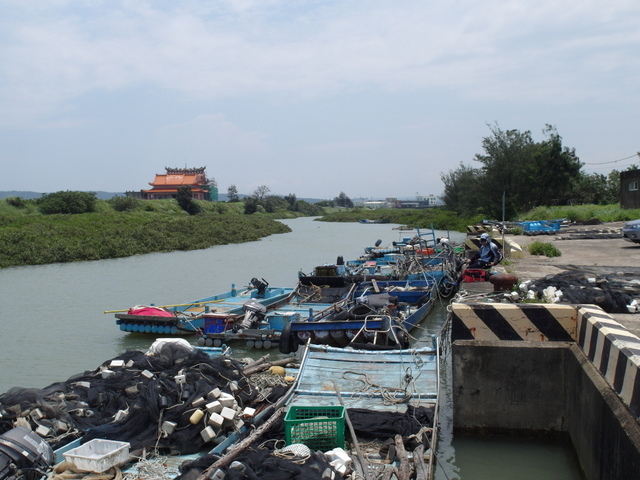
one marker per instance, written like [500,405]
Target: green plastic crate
[319,428]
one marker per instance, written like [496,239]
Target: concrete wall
[509,386]
[520,387]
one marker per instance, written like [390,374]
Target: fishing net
[264,464]
[577,288]
[370,424]
[131,401]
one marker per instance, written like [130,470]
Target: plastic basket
[319,428]
[98,455]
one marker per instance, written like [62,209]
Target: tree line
[519,174]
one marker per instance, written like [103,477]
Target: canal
[54,325]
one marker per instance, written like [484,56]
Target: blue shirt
[489,252]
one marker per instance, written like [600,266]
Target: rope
[151,469]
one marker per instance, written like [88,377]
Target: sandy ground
[600,256]
[613,254]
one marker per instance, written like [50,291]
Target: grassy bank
[420,218]
[30,238]
[584,213]
[447,220]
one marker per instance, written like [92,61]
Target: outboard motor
[254,312]
[260,285]
[24,455]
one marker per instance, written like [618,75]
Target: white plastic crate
[98,455]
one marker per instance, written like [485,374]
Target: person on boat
[487,255]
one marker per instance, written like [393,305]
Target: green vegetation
[74,226]
[94,236]
[418,218]
[584,213]
[528,173]
[67,202]
[546,249]
[120,227]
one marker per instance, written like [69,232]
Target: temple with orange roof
[166,185]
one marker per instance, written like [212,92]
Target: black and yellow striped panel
[614,351]
[504,321]
[474,243]
[477,229]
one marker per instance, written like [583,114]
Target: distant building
[629,191]
[166,185]
[419,202]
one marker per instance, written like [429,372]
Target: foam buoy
[196,417]
[276,370]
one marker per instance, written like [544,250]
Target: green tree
[461,188]
[250,205]
[513,165]
[292,201]
[343,201]
[67,202]
[261,192]
[186,202]
[232,194]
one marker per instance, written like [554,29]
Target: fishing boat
[377,314]
[371,221]
[189,318]
[260,327]
[411,292]
[420,257]
[345,398]
[375,322]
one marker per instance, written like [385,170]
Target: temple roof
[177,179]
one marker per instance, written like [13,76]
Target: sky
[372,98]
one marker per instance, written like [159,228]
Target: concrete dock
[554,369]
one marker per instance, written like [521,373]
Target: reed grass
[28,238]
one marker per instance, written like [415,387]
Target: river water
[54,325]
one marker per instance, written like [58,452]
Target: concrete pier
[516,373]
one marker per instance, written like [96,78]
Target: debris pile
[577,287]
[173,397]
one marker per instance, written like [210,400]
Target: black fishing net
[577,288]
[370,424]
[130,403]
[264,464]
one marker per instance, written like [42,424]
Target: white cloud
[304,48]
[461,63]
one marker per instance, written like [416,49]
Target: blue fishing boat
[189,318]
[377,322]
[422,257]
[260,327]
[412,292]
[345,398]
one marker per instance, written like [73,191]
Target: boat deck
[380,380]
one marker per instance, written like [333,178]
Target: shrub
[186,201]
[546,249]
[124,204]
[67,202]
[17,202]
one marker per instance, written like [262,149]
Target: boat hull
[189,318]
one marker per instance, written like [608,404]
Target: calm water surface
[53,325]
